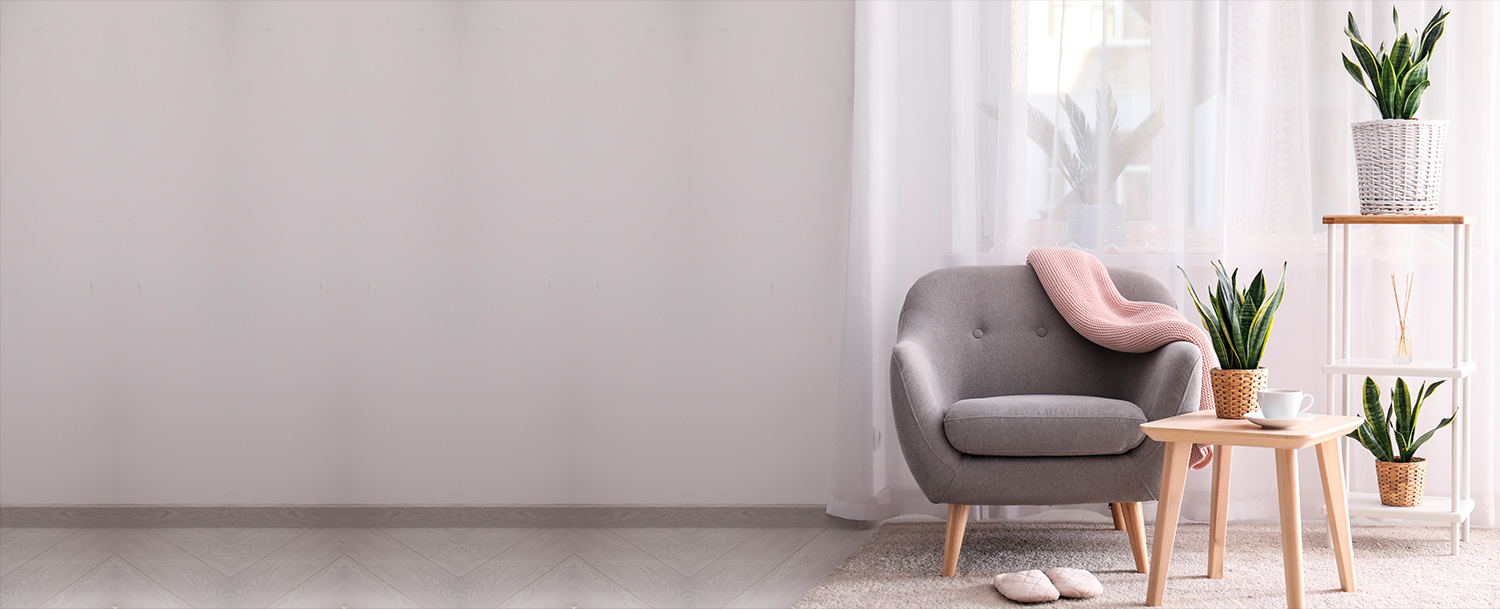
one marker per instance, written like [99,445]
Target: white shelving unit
[1341,369]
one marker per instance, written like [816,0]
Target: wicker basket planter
[1400,165]
[1402,484]
[1235,391]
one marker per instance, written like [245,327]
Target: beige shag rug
[1395,566]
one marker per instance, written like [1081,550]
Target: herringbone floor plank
[503,567]
[20,545]
[686,550]
[344,583]
[574,583]
[229,550]
[791,579]
[115,583]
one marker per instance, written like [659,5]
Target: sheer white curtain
[1242,110]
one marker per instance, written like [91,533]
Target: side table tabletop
[1204,427]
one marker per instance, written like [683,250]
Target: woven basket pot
[1402,484]
[1400,165]
[1234,391]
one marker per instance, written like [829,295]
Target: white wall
[382,252]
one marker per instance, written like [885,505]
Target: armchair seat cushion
[1043,426]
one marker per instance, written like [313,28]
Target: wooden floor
[415,567]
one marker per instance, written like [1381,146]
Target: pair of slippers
[1036,587]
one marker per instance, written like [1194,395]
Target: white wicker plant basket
[1400,165]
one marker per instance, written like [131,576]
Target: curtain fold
[1158,136]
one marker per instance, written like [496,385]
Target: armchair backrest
[992,330]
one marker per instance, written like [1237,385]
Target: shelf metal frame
[1341,366]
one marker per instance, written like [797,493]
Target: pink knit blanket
[1080,288]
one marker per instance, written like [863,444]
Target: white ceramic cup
[1283,403]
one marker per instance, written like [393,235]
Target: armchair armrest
[1170,381]
[919,399]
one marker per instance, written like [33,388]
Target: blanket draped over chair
[1079,286]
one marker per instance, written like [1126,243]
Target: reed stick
[1400,310]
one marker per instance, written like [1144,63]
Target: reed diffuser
[1403,344]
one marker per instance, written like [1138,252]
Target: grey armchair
[999,402]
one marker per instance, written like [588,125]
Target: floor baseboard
[422,516]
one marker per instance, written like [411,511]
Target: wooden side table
[1204,427]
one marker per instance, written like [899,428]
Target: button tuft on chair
[978,333]
[1041,331]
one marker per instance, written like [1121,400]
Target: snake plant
[1401,417]
[1397,78]
[1238,321]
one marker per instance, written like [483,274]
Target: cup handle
[1309,400]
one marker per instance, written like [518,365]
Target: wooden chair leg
[958,518]
[1135,527]
[1114,512]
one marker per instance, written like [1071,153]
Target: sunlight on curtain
[1155,135]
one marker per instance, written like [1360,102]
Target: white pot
[1400,165]
[1090,226]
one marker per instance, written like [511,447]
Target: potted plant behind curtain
[1402,474]
[1398,159]
[1080,162]
[1239,324]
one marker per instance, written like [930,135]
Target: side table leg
[1291,526]
[1218,512]
[1173,475]
[1338,511]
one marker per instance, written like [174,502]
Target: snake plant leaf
[1365,434]
[1256,294]
[1366,61]
[1230,322]
[1228,282]
[1226,329]
[1413,100]
[1387,90]
[1250,305]
[1260,348]
[1380,438]
[1260,326]
[1430,34]
[1416,409]
[1359,76]
[1210,323]
[1352,30]
[1429,391]
[1396,18]
[1409,448]
[1437,17]
[1414,76]
[1401,420]
[1401,55]
[1425,437]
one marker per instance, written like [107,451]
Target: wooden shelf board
[1394,219]
[1384,367]
[1433,508]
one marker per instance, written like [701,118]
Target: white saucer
[1256,418]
